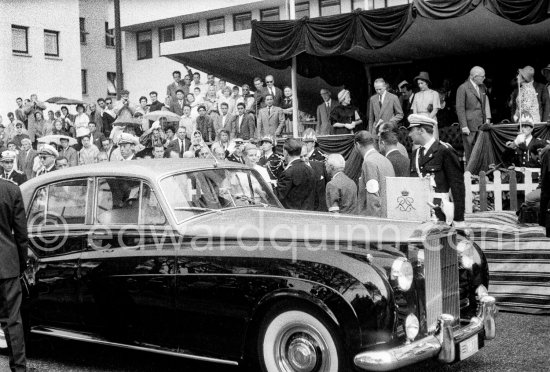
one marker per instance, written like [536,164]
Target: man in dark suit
[276,92]
[6,162]
[225,120]
[96,137]
[296,185]
[176,105]
[13,262]
[383,107]
[243,125]
[321,177]
[472,108]
[180,144]
[436,159]
[401,164]
[324,126]
[25,159]
[259,95]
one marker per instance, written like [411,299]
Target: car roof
[145,168]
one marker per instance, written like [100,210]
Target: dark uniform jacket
[273,164]
[296,186]
[16,176]
[235,158]
[320,174]
[317,155]
[442,162]
[13,231]
[521,156]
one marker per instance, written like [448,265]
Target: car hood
[257,223]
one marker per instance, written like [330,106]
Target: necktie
[421,154]
[181,149]
[269,110]
[380,100]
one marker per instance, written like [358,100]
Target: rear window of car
[60,203]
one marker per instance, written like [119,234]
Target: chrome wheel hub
[301,349]
[302,355]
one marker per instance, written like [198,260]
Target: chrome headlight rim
[402,273]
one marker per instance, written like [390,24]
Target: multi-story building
[213,36]
[97,49]
[39,50]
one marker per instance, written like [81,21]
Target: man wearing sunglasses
[47,156]
[9,173]
[276,92]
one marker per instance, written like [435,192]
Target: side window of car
[117,201]
[60,203]
[151,211]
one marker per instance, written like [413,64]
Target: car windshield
[197,192]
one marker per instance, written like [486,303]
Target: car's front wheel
[299,340]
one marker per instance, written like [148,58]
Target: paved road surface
[523,344]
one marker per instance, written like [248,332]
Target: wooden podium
[407,198]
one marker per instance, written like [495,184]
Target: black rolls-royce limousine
[198,259]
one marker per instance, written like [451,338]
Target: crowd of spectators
[213,119]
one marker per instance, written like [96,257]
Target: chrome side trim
[441,343]
[53,332]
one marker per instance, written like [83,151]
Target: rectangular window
[270,14]
[216,26]
[190,30]
[360,4]
[19,39]
[109,35]
[111,83]
[51,43]
[84,81]
[167,34]
[144,44]
[397,2]
[242,21]
[302,10]
[83,32]
[329,7]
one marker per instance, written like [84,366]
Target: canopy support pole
[293,77]
[118,51]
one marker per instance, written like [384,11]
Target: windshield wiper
[195,209]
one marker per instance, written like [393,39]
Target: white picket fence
[497,188]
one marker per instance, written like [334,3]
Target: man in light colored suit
[324,126]
[178,84]
[25,159]
[372,184]
[225,121]
[472,108]
[383,107]
[271,119]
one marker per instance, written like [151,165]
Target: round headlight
[402,273]
[411,327]
[466,252]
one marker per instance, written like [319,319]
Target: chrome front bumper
[441,344]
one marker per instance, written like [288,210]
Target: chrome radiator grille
[442,283]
